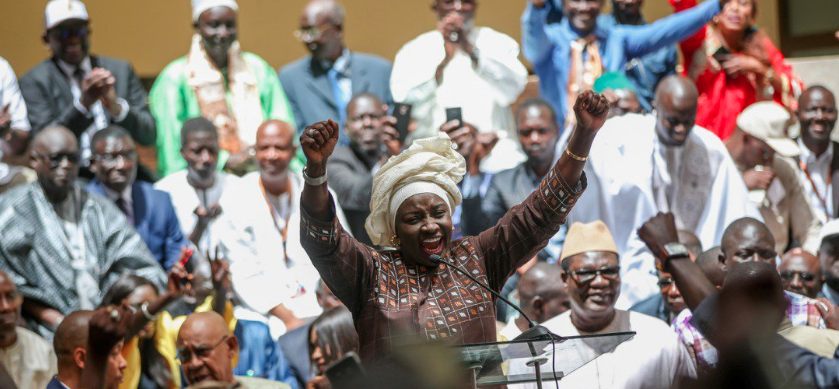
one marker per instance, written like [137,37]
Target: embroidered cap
[588,237]
[59,11]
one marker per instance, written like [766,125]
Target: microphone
[535,332]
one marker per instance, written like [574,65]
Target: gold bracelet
[575,157]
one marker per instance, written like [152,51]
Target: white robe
[235,232]
[654,358]
[483,92]
[301,276]
[625,174]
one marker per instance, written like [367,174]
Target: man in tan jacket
[763,151]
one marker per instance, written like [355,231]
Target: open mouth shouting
[432,246]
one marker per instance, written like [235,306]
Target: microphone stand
[535,332]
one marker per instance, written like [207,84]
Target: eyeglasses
[665,283]
[185,354]
[586,276]
[64,33]
[789,275]
[457,5]
[112,159]
[311,34]
[55,159]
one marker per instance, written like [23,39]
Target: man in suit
[669,303]
[320,86]
[538,135]
[70,342]
[149,210]
[819,160]
[83,92]
[295,343]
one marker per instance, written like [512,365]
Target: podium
[547,358]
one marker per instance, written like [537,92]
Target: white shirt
[101,117]
[234,232]
[298,274]
[654,358]
[483,92]
[816,185]
[10,95]
[627,175]
[30,360]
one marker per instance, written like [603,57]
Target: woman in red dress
[735,65]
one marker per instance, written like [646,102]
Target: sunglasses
[789,275]
[56,159]
[64,33]
[586,276]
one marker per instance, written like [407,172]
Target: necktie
[123,206]
[341,100]
[586,67]
[78,75]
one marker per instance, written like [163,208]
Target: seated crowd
[295,220]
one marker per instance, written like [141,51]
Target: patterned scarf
[237,130]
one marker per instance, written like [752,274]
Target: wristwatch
[674,250]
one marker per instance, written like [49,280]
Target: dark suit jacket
[653,306]
[155,221]
[310,93]
[295,345]
[507,189]
[352,181]
[49,99]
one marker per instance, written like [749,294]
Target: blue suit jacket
[155,221]
[310,94]
[55,384]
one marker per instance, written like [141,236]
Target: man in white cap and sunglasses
[653,358]
[234,89]
[82,92]
[763,150]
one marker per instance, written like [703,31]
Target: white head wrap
[430,165]
[199,6]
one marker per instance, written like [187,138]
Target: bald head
[541,292]
[801,273]
[209,323]
[208,332]
[710,262]
[55,158]
[54,136]
[747,240]
[676,100]
[322,24]
[274,127]
[275,149]
[70,336]
[691,241]
[331,10]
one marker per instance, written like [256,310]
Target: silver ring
[115,315]
[311,133]
[454,36]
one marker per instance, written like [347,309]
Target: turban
[199,6]
[430,165]
[588,237]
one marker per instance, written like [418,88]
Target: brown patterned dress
[390,298]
